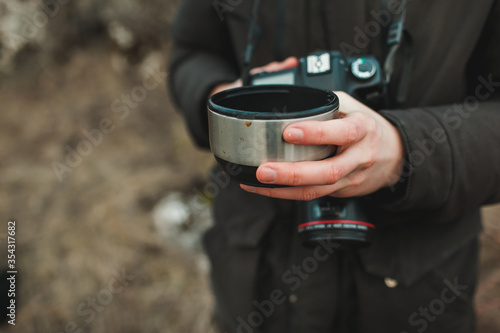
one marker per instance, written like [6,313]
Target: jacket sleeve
[201,57]
[453,152]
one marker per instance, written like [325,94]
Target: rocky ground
[90,144]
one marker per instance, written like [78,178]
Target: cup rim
[332,102]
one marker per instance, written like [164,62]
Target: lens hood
[246,126]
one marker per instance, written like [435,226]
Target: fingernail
[249,188]
[294,134]
[267,175]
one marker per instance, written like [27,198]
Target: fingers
[292,193]
[226,86]
[345,188]
[276,66]
[338,132]
[324,172]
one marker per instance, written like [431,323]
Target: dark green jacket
[450,123]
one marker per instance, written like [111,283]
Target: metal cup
[246,126]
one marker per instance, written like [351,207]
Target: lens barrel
[246,126]
[341,221]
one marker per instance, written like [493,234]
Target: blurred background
[107,190]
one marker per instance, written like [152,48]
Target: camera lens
[340,221]
[246,126]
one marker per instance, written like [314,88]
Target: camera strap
[252,36]
[398,38]
[280,31]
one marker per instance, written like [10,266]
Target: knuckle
[358,179]
[346,193]
[294,178]
[309,194]
[352,131]
[320,134]
[360,123]
[371,158]
[335,173]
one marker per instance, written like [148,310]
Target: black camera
[341,221]
[360,77]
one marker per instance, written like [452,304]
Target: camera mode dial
[363,68]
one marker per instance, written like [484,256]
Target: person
[423,166]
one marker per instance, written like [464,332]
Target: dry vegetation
[74,235]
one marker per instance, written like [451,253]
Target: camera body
[360,77]
[339,221]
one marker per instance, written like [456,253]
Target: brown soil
[74,235]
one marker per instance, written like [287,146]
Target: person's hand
[225,86]
[369,156]
[276,66]
[271,67]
